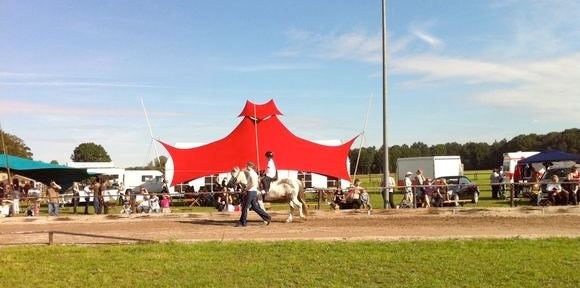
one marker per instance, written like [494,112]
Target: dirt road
[382,225]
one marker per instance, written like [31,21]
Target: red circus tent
[259,131]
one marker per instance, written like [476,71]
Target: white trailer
[134,178]
[432,166]
[510,160]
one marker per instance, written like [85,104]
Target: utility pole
[385,106]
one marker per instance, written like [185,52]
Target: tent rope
[363,133]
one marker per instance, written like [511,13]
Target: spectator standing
[121,192]
[102,190]
[427,192]
[249,198]
[408,198]
[494,181]
[75,197]
[15,196]
[52,195]
[354,194]
[419,189]
[387,192]
[96,189]
[574,180]
[88,193]
[165,204]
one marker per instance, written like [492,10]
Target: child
[154,204]
[165,203]
[126,208]
[366,201]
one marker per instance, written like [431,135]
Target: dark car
[462,187]
[156,188]
[562,173]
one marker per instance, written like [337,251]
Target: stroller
[407,201]
[126,208]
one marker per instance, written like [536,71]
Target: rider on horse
[271,174]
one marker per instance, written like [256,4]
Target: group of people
[563,192]
[357,197]
[424,192]
[149,204]
[13,195]
[558,191]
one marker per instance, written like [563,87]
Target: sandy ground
[381,225]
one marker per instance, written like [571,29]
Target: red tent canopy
[259,131]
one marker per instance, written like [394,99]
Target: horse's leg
[289,219]
[298,204]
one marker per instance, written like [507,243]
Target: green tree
[155,164]
[14,146]
[90,152]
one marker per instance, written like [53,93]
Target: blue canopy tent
[42,171]
[550,155]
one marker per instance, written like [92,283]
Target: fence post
[50,237]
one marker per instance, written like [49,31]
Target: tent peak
[260,111]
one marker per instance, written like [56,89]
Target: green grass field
[455,263]
[431,263]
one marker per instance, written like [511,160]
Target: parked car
[562,173]
[154,187]
[462,187]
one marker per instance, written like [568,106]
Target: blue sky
[73,72]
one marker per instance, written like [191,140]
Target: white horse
[285,190]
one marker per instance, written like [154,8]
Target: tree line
[474,155]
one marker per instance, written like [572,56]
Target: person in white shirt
[387,192]
[250,198]
[271,173]
[557,195]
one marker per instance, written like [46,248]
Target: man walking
[249,198]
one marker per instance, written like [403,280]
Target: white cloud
[356,46]
[435,68]
[429,39]
[273,67]
[547,89]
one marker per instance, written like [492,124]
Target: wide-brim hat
[408,173]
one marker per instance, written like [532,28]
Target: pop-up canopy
[42,171]
[550,156]
[259,131]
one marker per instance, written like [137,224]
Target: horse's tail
[302,197]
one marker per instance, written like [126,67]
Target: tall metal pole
[385,93]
